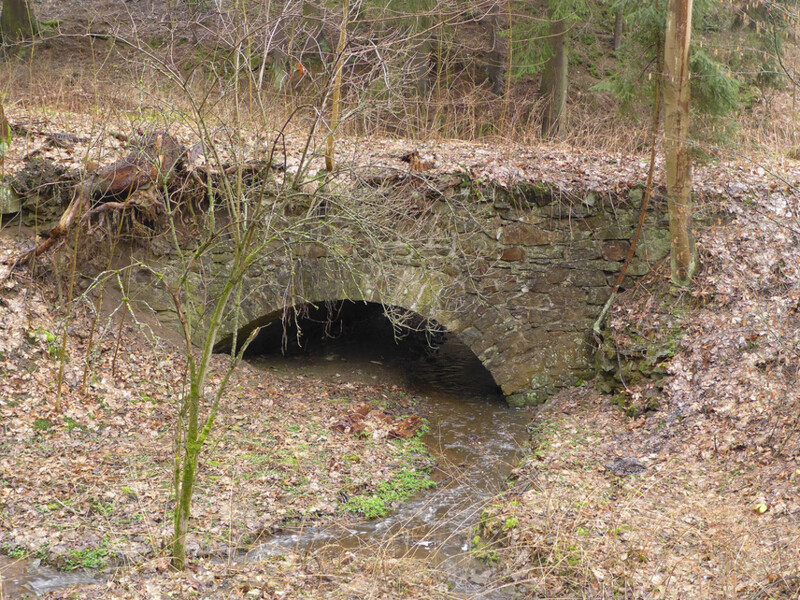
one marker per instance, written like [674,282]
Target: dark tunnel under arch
[432,356]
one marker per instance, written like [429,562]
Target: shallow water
[26,577]
[474,435]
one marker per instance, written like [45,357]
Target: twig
[596,328]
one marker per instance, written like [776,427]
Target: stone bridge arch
[519,275]
[433,296]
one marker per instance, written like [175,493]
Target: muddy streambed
[474,436]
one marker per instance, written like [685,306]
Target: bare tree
[9,202]
[678,160]
[5,134]
[337,89]
[246,197]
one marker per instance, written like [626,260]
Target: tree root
[153,161]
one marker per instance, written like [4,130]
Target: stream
[474,436]
[21,578]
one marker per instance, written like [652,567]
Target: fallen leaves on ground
[712,509]
[97,475]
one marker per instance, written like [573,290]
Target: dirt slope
[706,501]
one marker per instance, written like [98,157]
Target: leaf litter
[712,511]
[94,480]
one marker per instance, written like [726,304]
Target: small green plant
[510,523]
[397,489]
[14,551]
[51,24]
[573,555]
[42,552]
[413,450]
[620,529]
[42,425]
[103,508]
[54,350]
[70,424]
[295,485]
[89,558]
[371,507]
[483,550]
[144,398]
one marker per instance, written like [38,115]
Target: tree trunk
[5,136]
[336,98]
[17,21]
[185,477]
[618,22]
[495,60]
[188,450]
[678,160]
[509,64]
[9,201]
[554,81]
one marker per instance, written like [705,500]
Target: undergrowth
[412,478]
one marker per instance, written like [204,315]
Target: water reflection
[21,577]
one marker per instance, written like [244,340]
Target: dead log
[153,161]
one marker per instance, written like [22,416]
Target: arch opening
[410,349]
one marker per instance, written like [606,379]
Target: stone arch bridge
[519,275]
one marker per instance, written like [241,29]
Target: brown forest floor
[94,478]
[712,507]
[714,514]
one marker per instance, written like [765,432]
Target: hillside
[710,510]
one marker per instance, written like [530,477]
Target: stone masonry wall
[519,275]
[558,260]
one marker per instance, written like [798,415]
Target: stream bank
[89,486]
[474,436]
[684,483]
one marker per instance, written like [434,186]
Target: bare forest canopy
[433,69]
